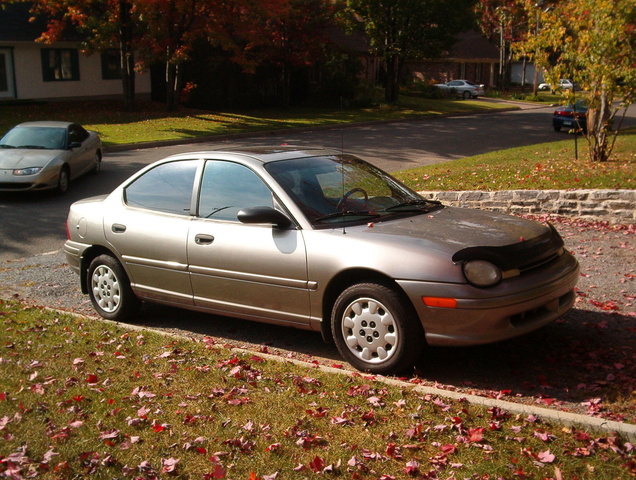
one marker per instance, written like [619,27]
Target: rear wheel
[109,289]
[466,95]
[375,329]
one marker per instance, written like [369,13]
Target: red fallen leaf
[109,434]
[201,450]
[37,388]
[218,473]
[273,447]
[317,464]
[448,448]
[169,465]
[475,434]
[158,428]
[546,457]
[78,398]
[412,467]
[392,450]
[318,413]
[545,436]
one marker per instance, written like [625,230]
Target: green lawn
[542,167]
[80,399]
[152,123]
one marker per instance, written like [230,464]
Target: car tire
[466,95]
[109,289]
[375,329]
[63,181]
[557,128]
[97,162]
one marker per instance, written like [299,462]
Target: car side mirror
[73,145]
[269,215]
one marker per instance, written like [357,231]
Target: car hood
[23,158]
[460,234]
[454,229]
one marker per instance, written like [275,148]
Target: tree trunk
[598,125]
[173,88]
[392,87]
[127,58]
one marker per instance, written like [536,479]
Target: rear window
[165,188]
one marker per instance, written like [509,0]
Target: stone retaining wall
[616,206]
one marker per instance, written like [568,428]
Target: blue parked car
[571,117]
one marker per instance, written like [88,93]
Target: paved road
[35,223]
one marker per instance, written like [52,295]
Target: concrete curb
[599,425]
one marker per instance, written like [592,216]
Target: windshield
[47,138]
[333,189]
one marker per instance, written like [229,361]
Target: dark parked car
[47,155]
[321,241]
[571,117]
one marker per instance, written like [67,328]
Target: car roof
[261,154]
[46,124]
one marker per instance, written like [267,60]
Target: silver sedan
[462,88]
[47,155]
[322,241]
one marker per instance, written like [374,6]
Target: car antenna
[344,218]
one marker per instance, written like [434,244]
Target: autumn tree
[503,22]
[592,42]
[172,28]
[102,24]
[403,30]
[282,34]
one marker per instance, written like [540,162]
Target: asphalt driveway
[31,224]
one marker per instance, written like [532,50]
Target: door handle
[202,239]
[118,228]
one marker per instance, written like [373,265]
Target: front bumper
[515,307]
[44,180]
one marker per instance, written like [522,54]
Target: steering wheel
[345,198]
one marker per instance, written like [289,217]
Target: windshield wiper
[4,145]
[418,205]
[38,147]
[347,213]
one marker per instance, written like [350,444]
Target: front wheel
[97,162]
[63,181]
[375,330]
[109,289]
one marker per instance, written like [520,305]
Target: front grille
[15,186]
[550,310]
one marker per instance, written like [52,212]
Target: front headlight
[482,273]
[27,171]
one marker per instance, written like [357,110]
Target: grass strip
[80,397]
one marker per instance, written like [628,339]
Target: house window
[60,64]
[111,69]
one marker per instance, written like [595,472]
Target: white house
[31,70]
